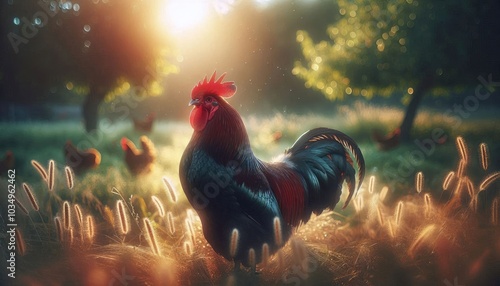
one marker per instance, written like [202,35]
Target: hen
[81,161]
[247,205]
[139,161]
[7,163]
[389,141]
[146,124]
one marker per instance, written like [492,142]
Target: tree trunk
[411,111]
[90,109]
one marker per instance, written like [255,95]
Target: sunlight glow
[180,15]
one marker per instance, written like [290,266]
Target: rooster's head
[206,98]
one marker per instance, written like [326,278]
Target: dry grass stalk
[361,202]
[40,169]
[79,219]
[115,191]
[265,254]
[159,206]
[59,229]
[31,197]
[488,180]
[299,251]
[380,216]
[428,204]
[71,236]
[151,237]
[190,214]
[473,203]
[21,245]
[447,180]
[21,206]
[52,174]
[383,193]
[69,177]
[251,257]
[90,228]
[122,217]
[79,215]
[190,229]
[233,247]
[421,238]
[371,184]
[494,212]
[419,182]
[399,213]
[483,151]
[462,149]
[172,194]
[390,228]
[470,187]
[66,215]
[358,203]
[458,189]
[461,168]
[170,223]
[278,234]
[188,248]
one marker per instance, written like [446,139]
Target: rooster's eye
[211,101]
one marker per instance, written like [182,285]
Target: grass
[402,238]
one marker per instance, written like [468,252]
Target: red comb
[124,142]
[217,87]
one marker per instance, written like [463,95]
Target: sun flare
[180,15]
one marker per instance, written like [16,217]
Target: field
[402,228]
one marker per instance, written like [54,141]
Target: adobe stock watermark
[29,29]
[404,166]
[120,279]
[300,271]
[220,180]
[455,282]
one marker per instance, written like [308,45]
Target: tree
[404,47]
[99,48]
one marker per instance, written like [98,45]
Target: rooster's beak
[194,101]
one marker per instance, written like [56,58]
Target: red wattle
[198,118]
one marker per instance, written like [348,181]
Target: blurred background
[285,56]
[404,78]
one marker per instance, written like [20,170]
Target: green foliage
[91,46]
[380,47]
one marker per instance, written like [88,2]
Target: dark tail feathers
[324,158]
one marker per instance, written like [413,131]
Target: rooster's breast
[227,197]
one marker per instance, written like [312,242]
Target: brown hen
[81,160]
[139,161]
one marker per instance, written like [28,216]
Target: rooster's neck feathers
[225,136]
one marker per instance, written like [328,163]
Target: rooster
[139,162]
[81,161]
[245,203]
